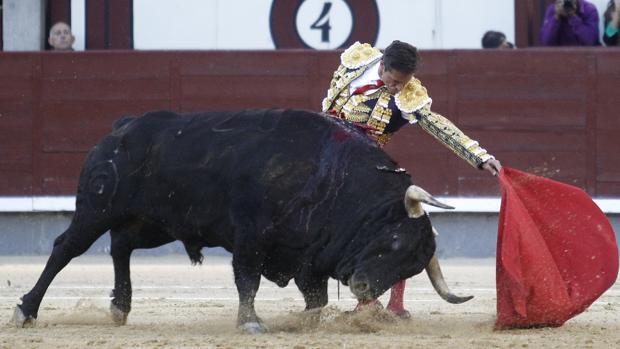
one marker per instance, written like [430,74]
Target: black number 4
[323,22]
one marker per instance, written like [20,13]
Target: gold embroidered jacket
[385,113]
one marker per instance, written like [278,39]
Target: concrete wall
[34,233]
[23,25]
[472,235]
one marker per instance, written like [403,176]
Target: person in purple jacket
[570,23]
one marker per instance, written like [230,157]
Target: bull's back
[196,155]
[233,143]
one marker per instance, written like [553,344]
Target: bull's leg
[72,243]
[249,219]
[247,265]
[123,242]
[120,250]
[247,279]
[314,290]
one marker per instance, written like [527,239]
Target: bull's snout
[360,286]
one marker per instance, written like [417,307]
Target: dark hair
[401,57]
[493,39]
[611,6]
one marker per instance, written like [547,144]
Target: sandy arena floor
[180,306]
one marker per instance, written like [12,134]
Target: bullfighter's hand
[493,166]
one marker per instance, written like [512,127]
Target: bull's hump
[302,126]
[260,118]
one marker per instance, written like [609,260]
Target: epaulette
[412,97]
[358,55]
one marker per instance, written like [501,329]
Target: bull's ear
[414,196]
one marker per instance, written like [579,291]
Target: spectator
[495,39]
[377,92]
[612,23]
[571,23]
[61,38]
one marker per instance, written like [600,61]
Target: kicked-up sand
[176,305]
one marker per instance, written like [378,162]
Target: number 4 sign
[323,24]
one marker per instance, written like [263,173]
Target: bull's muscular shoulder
[358,55]
[412,97]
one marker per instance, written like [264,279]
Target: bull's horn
[414,195]
[434,273]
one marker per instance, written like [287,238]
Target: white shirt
[370,76]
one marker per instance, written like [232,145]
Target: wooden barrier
[550,112]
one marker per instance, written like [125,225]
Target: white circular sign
[324,24]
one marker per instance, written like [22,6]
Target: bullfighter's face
[396,252]
[394,80]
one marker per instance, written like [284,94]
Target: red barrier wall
[549,112]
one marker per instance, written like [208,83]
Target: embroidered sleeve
[453,138]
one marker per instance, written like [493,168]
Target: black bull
[291,194]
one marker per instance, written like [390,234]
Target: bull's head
[403,247]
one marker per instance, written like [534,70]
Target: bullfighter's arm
[453,138]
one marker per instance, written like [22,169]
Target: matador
[378,92]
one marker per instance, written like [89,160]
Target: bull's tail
[434,273]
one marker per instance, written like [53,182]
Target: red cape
[556,252]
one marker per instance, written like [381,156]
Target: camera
[570,4]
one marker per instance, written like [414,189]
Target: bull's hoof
[118,316]
[22,321]
[402,314]
[252,328]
